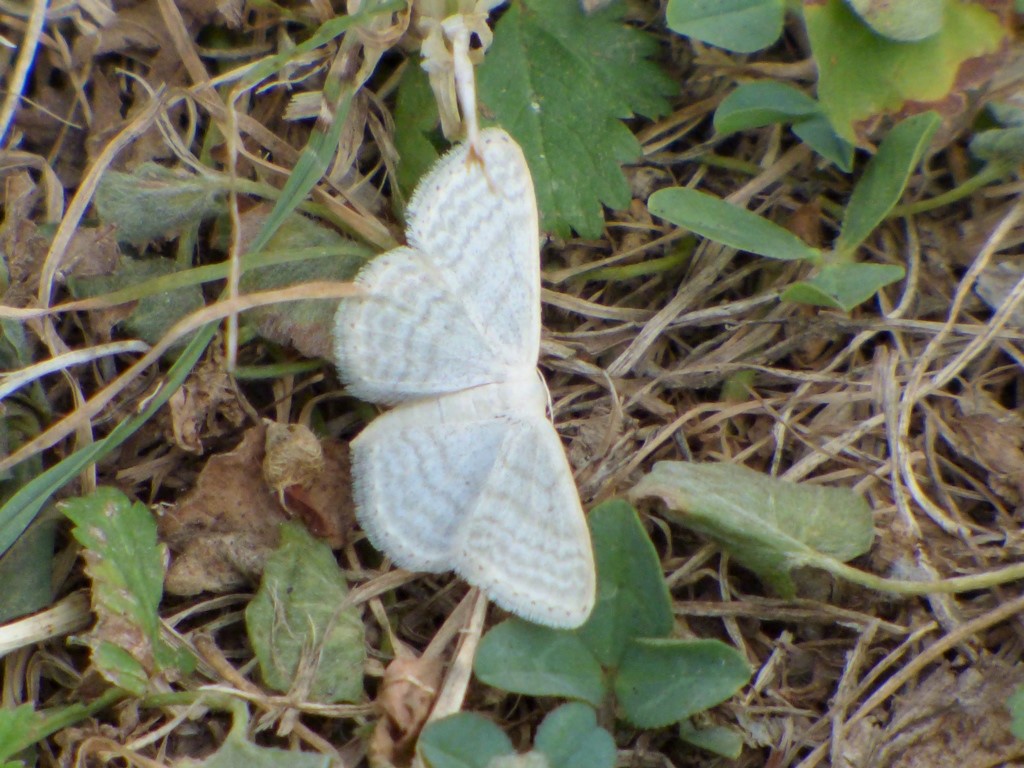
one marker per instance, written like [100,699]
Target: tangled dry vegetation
[655,347]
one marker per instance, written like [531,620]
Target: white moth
[466,473]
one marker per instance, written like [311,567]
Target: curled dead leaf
[292,456]
[406,697]
[223,530]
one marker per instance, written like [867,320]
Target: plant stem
[952,585]
[991,172]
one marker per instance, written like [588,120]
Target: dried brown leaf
[223,530]
[406,696]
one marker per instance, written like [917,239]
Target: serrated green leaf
[297,616]
[862,75]
[559,81]
[743,26]
[571,738]
[463,740]
[731,225]
[718,739]
[819,135]
[843,286]
[153,201]
[154,314]
[526,658]
[125,562]
[769,525]
[904,20]
[305,325]
[632,599]
[765,102]
[884,179]
[662,681]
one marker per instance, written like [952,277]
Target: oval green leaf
[884,179]
[769,525]
[725,223]
[296,615]
[843,286]
[463,740]
[718,739]
[743,26]
[819,135]
[903,20]
[632,600]
[765,102]
[571,738]
[526,658]
[664,681]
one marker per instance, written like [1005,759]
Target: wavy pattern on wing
[478,481]
[460,307]
[466,472]
[525,542]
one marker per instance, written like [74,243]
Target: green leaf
[121,668]
[15,349]
[1006,113]
[819,135]
[416,128]
[305,325]
[23,726]
[126,565]
[26,571]
[743,26]
[526,658]
[560,81]
[632,599]
[238,752]
[761,103]
[18,727]
[297,622]
[769,525]
[718,739]
[571,738]
[843,286]
[884,180]
[155,313]
[863,76]
[725,223]
[1015,704]
[313,161]
[1003,146]
[463,740]
[662,681]
[153,201]
[766,102]
[905,20]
